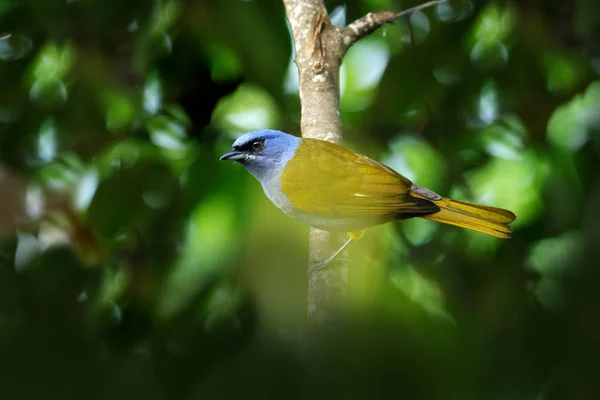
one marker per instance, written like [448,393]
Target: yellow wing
[327,179]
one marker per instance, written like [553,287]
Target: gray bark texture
[320,47]
[319,51]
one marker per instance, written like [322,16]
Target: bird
[329,187]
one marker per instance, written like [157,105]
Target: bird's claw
[320,265]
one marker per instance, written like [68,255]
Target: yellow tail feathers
[491,220]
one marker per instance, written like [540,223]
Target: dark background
[156,272]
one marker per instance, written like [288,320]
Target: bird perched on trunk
[329,187]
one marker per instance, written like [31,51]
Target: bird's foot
[319,265]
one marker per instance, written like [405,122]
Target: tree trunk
[320,47]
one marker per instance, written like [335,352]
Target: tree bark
[319,49]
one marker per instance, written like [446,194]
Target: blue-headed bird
[332,188]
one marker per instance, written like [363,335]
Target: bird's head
[263,153]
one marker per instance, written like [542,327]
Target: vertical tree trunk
[318,58]
[320,47]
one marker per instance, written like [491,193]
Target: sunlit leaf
[488,103]
[553,256]
[419,231]
[221,304]
[420,27]
[86,188]
[178,114]
[63,173]
[119,109]
[362,69]
[34,201]
[153,95]
[166,133]
[420,290]
[50,235]
[28,248]
[487,55]
[570,124]
[457,10]
[489,35]
[53,63]
[50,69]
[47,141]
[248,108]
[209,242]
[164,16]
[553,259]
[512,184]
[48,92]
[494,24]
[114,283]
[501,141]
[123,154]
[418,161]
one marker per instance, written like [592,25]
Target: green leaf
[570,124]
[209,243]
[250,107]
[418,161]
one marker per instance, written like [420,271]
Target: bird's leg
[322,264]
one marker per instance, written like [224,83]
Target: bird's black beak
[233,155]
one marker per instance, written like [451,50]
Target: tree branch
[365,25]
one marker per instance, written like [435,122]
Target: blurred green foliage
[134,265]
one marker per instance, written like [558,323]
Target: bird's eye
[257,145]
